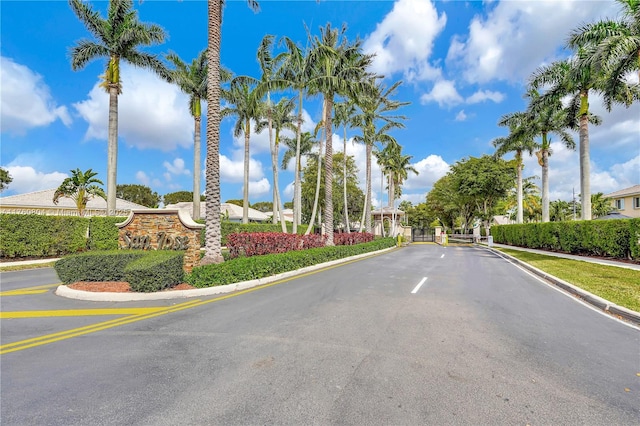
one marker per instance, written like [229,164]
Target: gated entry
[422,235]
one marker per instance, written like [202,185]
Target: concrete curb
[70,293]
[590,298]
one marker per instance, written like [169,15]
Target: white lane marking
[442,256]
[415,290]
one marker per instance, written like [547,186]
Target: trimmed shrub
[96,265]
[351,238]
[261,243]
[227,228]
[249,268]
[611,238]
[33,235]
[155,271]
[103,232]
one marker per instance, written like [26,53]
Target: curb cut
[590,298]
[64,291]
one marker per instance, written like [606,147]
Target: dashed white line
[442,256]
[415,290]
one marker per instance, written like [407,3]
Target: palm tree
[616,43]
[338,69]
[192,80]
[577,78]
[344,112]
[560,211]
[374,103]
[116,38]
[397,167]
[80,187]
[213,232]
[245,105]
[282,118]
[519,139]
[546,116]
[600,205]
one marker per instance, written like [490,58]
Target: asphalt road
[479,342]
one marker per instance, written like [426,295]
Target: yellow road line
[67,334]
[62,335]
[29,290]
[79,312]
[22,292]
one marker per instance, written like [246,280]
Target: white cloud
[484,95]
[461,116]
[151,113]
[176,167]
[404,40]
[232,171]
[28,179]
[444,93]
[26,101]
[143,178]
[430,169]
[259,188]
[515,37]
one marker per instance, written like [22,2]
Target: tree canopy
[139,194]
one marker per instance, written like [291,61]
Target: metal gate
[423,235]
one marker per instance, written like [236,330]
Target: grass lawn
[617,285]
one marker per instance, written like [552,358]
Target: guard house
[387,221]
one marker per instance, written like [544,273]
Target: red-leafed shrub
[260,243]
[352,238]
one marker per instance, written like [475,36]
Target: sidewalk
[608,262]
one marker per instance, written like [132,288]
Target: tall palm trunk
[196,166]
[344,179]
[367,205]
[328,170]
[545,180]
[276,189]
[213,233]
[245,191]
[112,150]
[519,217]
[585,185]
[297,191]
[318,180]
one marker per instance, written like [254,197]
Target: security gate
[422,235]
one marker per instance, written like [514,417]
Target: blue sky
[463,64]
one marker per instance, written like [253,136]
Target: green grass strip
[617,285]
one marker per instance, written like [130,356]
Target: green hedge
[103,232]
[155,271]
[617,238]
[96,265]
[249,268]
[33,235]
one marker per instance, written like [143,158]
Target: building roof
[232,211]
[44,199]
[632,190]
[613,215]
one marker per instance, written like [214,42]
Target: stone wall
[159,229]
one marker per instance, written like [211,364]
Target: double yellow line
[139,314]
[29,290]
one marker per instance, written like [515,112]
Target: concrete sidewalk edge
[588,297]
[70,293]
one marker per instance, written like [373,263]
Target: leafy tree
[446,205]
[139,194]
[236,202]
[343,116]
[5,179]
[192,80]
[288,205]
[116,38]
[531,201]
[484,181]
[179,197]
[213,232]
[560,210]
[263,206]
[80,187]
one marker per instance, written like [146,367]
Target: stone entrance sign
[160,229]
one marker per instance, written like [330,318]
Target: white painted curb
[70,293]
